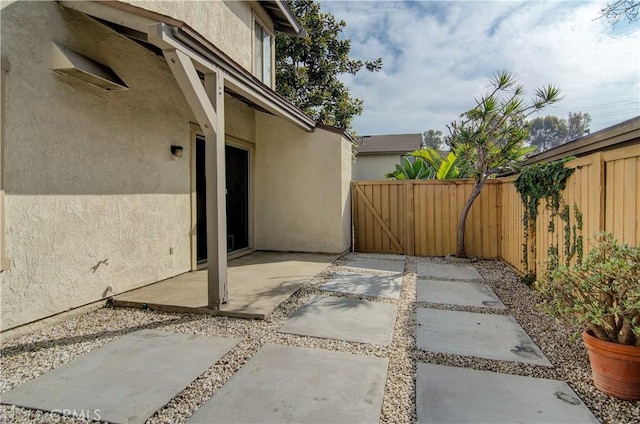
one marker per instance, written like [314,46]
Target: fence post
[409,226]
[354,217]
[599,186]
[499,208]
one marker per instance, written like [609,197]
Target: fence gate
[381,217]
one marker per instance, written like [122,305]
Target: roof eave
[283,18]
[336,130]
[141,20]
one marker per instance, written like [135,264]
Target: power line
[592,111]
[612,105]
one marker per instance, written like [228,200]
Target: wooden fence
[419,217]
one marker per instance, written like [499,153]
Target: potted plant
[602,295]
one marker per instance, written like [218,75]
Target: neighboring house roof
[390,143]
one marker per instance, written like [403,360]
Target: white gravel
[29,356]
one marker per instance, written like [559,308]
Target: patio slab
[283,384]
[258,283]
[379,256]
[376,265]
[448,271]
[388,286]
[460,395]
[481,335]
[126,380]
[352,320]
[457,293]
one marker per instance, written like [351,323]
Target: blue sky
[438,57]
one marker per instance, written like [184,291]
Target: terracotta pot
[616,367]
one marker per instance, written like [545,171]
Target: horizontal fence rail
[420,217]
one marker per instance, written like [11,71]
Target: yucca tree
[490,137]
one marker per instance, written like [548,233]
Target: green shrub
[602,294]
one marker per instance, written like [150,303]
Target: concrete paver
[457,293]
[459,395]
[379,256]
[376,265]
[126,380]
[482,335]
[448,271]
[283,384]
[388,286]
[338,318]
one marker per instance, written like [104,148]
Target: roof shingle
[390,143]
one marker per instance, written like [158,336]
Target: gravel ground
[29,356]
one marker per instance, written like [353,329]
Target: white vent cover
[66,61]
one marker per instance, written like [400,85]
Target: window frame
[264,74]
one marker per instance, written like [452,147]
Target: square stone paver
[352,320]
[460,395]
[392,256]
[376,265]
[283,384]
[457,293]
[448,271]
[365,284]
[126,380]
[471,334]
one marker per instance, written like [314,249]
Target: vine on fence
[536,182]
[572,240]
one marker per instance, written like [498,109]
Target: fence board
[622,200]
[513,228]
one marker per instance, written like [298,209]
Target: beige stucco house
[379,154]
[122,120]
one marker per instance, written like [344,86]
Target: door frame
[239,144]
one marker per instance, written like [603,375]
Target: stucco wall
[95,203]
[227,24]
[239,120]
[301,188]
[373,167]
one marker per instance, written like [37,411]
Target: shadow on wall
[64,136]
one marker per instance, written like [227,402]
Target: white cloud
[438,57]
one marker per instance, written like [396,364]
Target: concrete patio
[258,283]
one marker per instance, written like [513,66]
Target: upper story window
[262,54]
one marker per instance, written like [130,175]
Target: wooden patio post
[217,292]
[207,103]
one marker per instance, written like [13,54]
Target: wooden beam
[187,78]
[207,103]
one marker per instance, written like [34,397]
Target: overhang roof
[136,22]
[390,143]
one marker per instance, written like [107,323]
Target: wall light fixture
[177,151]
